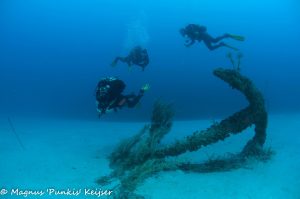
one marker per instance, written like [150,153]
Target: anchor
[142,156]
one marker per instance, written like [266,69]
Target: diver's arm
[127,60]
[143,63]
[121,59]
[132,101]
[189,42]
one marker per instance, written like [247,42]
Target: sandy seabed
[69,155]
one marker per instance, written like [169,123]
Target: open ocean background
[53,53]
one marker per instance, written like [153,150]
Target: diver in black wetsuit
[198,33]
[109,95]
[137,56]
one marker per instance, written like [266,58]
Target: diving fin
[237,37]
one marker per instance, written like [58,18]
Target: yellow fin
[237,37]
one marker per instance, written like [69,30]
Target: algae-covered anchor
[143,156]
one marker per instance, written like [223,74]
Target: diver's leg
[132,100]
[213,47]
[217,39]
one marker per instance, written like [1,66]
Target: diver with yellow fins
[199,33]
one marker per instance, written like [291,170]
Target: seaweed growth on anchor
[133,159]
[235,65]
[143,156]
[141,147]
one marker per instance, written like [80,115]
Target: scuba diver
[109,95]
[198,33]
[137,56]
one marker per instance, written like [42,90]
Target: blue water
[53,53]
